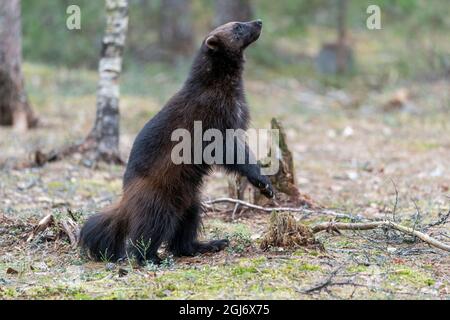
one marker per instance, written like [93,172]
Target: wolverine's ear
[212,42]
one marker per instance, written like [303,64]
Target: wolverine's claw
[267,191]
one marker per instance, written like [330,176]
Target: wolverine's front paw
[264,185]
[267,190]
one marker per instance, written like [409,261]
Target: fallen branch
[68,227]
[336,226]
[43,224]
[323,284]
[38,158]
[88,147]
[208,204]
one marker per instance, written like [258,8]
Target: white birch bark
[106,129]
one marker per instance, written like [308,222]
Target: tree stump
[284,181]
[335,58]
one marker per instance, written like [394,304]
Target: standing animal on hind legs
[160,202]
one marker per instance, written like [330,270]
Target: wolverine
[161,203]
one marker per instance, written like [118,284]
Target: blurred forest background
[412,40]
[294,52]
[366,114]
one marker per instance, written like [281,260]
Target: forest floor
[352,151]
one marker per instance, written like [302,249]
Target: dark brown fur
[160,201]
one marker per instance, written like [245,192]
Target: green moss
[48,291]
[8,293]
[92,185]
[309,267]
[430,282]
[239,271]
[423,146]
[344,243]
[56,185]
[412,277]
[299,252]
[82,296]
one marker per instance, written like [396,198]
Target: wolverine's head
[233,37]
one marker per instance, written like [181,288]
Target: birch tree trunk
[175,33]
[232,10]
[103,140]
[14,107]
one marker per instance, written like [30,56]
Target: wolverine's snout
[255,28]
[258,22]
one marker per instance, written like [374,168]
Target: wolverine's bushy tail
[103,235]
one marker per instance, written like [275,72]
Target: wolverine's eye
[239,30]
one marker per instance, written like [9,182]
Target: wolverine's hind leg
[184,241]
[149,232]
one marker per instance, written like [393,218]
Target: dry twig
[336,226]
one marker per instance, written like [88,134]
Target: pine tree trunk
[342,49]
[175,33]
[103,141]
[337,57]
[14,107]
[232,10]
